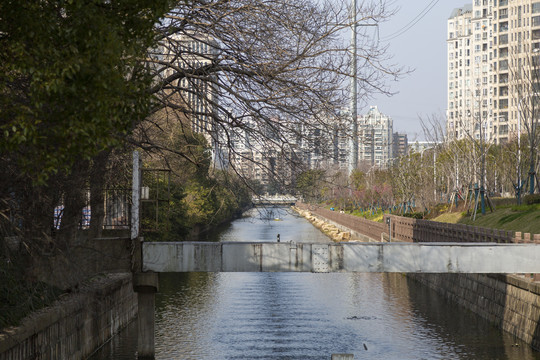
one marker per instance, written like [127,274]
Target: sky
[422,48]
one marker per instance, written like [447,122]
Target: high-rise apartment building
[375,137]
[491,45]
[193,90]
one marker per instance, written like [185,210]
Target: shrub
[415,215]
[532,199]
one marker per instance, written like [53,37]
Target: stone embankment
[512,302]
[333,231]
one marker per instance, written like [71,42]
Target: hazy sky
[423,48]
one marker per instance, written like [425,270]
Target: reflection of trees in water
[460,328]
[176,288]
[267,213]
[185,298]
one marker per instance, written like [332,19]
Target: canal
[308,316]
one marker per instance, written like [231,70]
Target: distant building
[196,94]
[375,136]
[399,145]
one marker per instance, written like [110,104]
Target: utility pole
[353,144]
[136,196]
[353,155]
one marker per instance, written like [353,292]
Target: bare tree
[267,73]
[527,86]
[453,159]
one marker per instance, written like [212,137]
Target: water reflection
[311,316]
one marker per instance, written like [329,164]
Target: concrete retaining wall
[76,325]
[511,302]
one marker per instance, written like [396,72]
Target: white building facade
[375,139]
[491,45]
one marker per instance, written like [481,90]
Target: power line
[413,22]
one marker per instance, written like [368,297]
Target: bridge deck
[341,257]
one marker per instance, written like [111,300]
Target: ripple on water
[273,316]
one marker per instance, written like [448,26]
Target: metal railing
[117,210]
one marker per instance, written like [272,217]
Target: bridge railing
[416,230]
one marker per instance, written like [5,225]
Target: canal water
[308,316]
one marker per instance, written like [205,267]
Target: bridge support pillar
[146,285]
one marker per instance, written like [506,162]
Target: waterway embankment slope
[335,231]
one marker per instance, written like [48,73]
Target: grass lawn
[524,218]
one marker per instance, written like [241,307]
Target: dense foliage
[70,83]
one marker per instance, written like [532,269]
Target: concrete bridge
[274,200]
[318,257]
[341,257]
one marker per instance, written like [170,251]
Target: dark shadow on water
[484,339]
